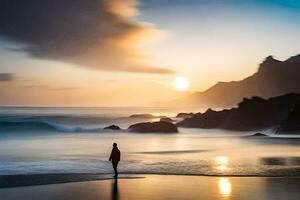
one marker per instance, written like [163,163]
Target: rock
[145,116]
[112,127]
[166,119]
[141,116]
[258,135]
[209,119]
[291,125]
[251,114]
[184,115]
[153,127]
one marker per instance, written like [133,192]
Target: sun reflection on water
[224,187]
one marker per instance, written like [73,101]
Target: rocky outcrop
[153,127]
[166,119]
[251,114]
[273,78]
[184,115]
[258,135]
[291,125]
[144,116]
[112,127]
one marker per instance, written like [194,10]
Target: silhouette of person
[115,157]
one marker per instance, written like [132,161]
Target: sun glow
[222,163]
[181,83]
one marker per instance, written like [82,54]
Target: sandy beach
[129,187]
[149,100]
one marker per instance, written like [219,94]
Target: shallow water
[191,151]
[164,187]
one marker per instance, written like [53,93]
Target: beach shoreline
[25,180]
[158,187]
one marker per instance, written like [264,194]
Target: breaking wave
[22,126]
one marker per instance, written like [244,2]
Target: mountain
[273,78]
[251,114]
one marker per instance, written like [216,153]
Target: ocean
[42,140]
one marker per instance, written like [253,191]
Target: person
[115,157]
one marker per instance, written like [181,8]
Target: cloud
[6,77]
[146,4]
[50,88]
[97,34]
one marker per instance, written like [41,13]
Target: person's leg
[115,166]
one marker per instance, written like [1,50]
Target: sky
[129,52]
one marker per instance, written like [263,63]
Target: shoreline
[161,187]
[25,180]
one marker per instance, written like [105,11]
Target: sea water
[72,140]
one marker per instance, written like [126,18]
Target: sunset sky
[128,53]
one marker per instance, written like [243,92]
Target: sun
[181,83]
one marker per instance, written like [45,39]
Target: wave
[65,122]
[15,126]
[175,152]
[70,117]
[62,118]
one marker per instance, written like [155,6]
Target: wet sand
[9,181]
[146,187]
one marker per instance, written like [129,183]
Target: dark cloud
[97,34]
[6,77]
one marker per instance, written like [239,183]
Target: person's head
[115,144]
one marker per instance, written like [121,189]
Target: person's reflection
[115,191]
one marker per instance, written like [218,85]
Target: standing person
[115,157]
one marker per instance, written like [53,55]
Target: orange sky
[133,57]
